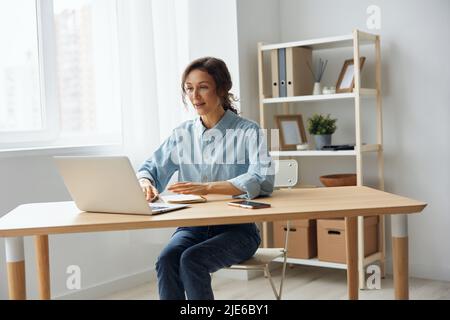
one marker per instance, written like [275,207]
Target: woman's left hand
[189,188]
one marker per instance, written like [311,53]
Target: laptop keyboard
[157,207]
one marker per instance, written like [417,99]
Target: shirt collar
[223,124]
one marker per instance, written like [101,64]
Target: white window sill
[63,150]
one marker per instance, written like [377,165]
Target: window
[59,73]
[20,98]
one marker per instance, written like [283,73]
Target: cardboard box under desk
[302,240]
[331,239]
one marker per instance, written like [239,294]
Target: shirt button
[204,178]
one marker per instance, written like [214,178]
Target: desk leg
[351,246]
[15,259]
[399,226]
[265,240]
[43,266]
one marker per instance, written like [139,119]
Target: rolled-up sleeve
[259,179]
[160,167]
[253,184]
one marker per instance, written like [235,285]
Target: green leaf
[319,124]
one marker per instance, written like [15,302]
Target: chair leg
[266,270]
[283,273]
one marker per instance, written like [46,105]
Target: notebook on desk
[183,198]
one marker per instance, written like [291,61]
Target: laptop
[107,185]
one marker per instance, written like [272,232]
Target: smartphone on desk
[249,204]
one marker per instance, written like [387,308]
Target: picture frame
[346,80]
[292,131]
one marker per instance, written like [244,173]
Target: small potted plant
[321,127]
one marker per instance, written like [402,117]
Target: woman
[217,153]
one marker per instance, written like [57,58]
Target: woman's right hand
[151,193]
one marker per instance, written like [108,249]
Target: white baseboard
[106,288]
[131,281]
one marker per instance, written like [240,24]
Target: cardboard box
[331,239]
[302,241]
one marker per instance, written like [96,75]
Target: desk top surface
[287,204]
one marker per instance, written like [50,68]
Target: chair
[286,176]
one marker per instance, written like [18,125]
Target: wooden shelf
[312,153]
[314,262]
[364,92]
[321,153]
[324,43]
[317,263]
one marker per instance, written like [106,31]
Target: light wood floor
[302,282]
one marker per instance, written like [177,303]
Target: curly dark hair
[218,70]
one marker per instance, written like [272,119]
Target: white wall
[257,21]
[416,77]
[213,32]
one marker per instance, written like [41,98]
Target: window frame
[47,139]
[46,40]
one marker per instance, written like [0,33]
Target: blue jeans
[193,253]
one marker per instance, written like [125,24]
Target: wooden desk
[42,219]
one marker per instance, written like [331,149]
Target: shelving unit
[354,40]
[364,93]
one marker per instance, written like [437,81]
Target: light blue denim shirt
[234,150]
